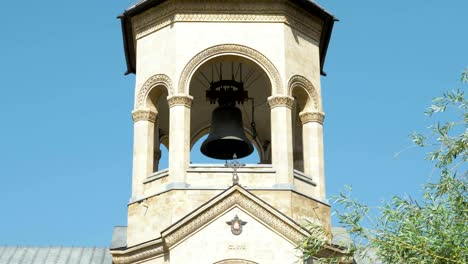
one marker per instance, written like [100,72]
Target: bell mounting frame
[226,92]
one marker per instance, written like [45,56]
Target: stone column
[179,138]
[143,147]
[312,140]
[281,140]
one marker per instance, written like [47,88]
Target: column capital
[144,115]
[275,101]
[307,117]
[182,99]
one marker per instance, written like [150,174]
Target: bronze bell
[226,136]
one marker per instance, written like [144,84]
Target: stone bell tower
[180,50]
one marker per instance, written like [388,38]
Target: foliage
[432,229]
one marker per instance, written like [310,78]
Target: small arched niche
[305,100]
[255,110]
[156,100]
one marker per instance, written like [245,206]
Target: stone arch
[155,80]
[235,261]
[155,88]
[298,81]
[230,49]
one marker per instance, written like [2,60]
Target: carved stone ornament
[236,225]
[144,115]
[231,49]
[136,254]
[307,117]
[235,261]
[301,81]
[158,79]
[275,101]
[247,204]
[277,11]
[185,100]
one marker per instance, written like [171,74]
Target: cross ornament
[234,164]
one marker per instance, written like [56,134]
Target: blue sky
[66,133]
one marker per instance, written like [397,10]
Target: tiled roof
[54,255]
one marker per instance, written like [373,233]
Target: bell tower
[247,74]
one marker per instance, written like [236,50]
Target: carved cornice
[214,51]
[303,82]
[158,79]
[136,254]
[235,261]
[185,100]
[285,101]
[247,204]
[144,115]
[277,11]
[307,117]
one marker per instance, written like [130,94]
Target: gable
[203,236]
[236,196]
[216,243]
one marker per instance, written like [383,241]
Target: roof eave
[128,44]
[325,41]
[127,30]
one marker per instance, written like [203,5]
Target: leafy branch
[432,229]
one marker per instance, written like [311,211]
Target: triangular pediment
[234,197]
[207,227]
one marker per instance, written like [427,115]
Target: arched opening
[255,110]
[301,99]
[303,103]
[156,101]
[164,158]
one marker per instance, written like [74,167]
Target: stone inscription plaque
[237,247]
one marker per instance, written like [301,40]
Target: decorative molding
[233,199]
[231,49]
[301,81]
[158,79]
[144,115]
[278,11]
[185,100]
[133,256]
[275,101]
[307,117]
[235,261]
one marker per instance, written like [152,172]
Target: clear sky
[66,131]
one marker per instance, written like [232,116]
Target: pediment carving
[236,196]
[235,261]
